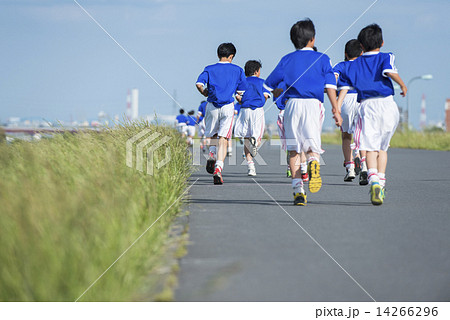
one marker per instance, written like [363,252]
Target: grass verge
[70,207]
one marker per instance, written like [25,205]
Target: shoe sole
[251,175]
[376,198]
[210,165]
[363,181]
[349,179]
[315,181]
[300,203]
[217,179]
[253,150]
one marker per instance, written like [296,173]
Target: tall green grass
[69,206]
[405,139]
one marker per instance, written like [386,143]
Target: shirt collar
[371,53]
[306,49]
[224,62]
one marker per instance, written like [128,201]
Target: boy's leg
[304,167]
[315,180]
[348,161]
[382,163]
[376,191]
[297,182]
[249,158]
[363,176]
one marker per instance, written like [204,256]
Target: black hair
[371,37]
[191,112]
[302,32]
[315,48]
[252,66]
[226,49]
[352,49]
[181,111]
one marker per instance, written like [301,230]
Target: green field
[70,207]
[407,139]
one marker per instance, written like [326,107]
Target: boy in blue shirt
[219,82]
[250,122]
[180,123]
[371,76]
[201,124]
[191,122]
[306,73]
[349,108]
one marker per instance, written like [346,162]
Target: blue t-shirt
[181,118]
[305,72]
[223,80]
[202,110]
[255,93]
[191,121]
[337,69]
[367,74]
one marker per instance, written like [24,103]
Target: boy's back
[254,96]
[222,80]
[367,75]
[305,72]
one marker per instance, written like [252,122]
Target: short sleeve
[344,82]
[388,65]
[203,78]
[275,78]
[242,83]
[330,78]
[337,69]
[266,92]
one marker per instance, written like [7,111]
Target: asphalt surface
[249,243]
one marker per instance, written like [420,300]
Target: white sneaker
[251,171]
[230,152]
[351,174]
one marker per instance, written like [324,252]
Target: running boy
[201,124]
[305,73]
[349,107]
[371,76]
[219,82]
[180,123]
[250,122]
[191,122]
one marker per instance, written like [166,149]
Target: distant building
[447,115]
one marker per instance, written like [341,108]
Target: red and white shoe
[305,176]
[218,176]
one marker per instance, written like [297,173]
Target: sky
[57,63]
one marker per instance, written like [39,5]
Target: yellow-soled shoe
[376,194]
[315,181]
[299,199]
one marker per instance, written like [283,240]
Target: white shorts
[201,128]
[250,123]
[182,128]
[219,120]
[303,120]
[280,123]
[378,119]
[349,112]
[190,131]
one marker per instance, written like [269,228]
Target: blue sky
[56,63]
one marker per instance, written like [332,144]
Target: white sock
[219,164]
[303,167]
[382,177]
[350,165]
[363,164]
[250,163]
[373,175]
[297,185]
[313,159]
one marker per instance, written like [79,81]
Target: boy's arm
[331,93]
[239,98]
[396,78]
[341,97]
[202,89]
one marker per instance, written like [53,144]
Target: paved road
[246,246]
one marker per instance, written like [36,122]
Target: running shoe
[299,199]
[251,171]
[350,175]
[376,194]
[230,152]
[315,181]
[210,163]
[357,165]
[305,176]
[218,176]
[253,149]
[363,180]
